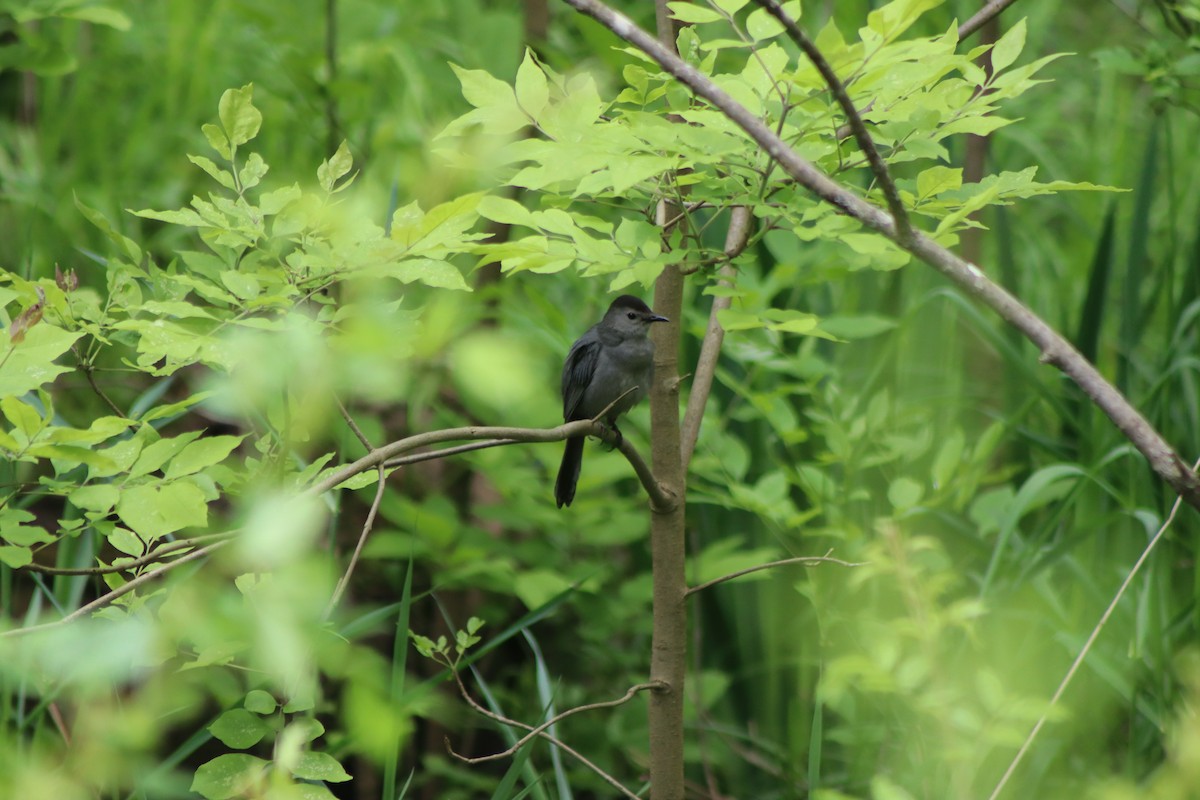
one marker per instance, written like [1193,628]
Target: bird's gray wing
[577,374]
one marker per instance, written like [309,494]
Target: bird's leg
[617,431]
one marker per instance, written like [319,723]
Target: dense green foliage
[414,218]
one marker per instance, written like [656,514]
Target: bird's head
[629,316]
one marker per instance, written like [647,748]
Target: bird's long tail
[568,471]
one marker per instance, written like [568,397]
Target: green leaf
[221,176]
[100,497]
[217,139]
[154,455]
[430,272]
[495,104]
[857,327]
[31,362]
[202,453]
[1009,46]
[319,767]
[260,702]
[505,210]
[238,728]
[689,12]
[239,117]
[229,775]
[337,165]
[532,91]
[153,512]
[734,320]
[244,285]
[904,493]
[15,557]
[22,416]
[99,15]
[123,243]
[252,173]
[936,180]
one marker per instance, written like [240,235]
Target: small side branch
[710,351]
[535,732]
[806,560]
[362,540]
[982,17]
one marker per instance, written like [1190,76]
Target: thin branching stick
[570,712]
[512,723]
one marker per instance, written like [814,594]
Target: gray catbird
[614,359]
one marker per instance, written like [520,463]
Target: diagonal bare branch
[1055,349]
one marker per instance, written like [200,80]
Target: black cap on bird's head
[633,308]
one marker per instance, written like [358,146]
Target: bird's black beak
[656,318]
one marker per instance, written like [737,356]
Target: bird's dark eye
[631,315]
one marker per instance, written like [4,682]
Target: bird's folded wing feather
[577,375]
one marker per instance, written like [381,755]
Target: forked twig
[512,723]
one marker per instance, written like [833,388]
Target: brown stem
[1055,349]
[982,17]
[340,589]
[710,350]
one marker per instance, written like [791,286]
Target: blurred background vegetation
[995,512]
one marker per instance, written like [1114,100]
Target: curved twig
[512,723]
[340,589]
[534,732]
[149,558]
[825,559]
[660,499]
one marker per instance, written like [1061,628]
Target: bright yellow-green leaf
[1009,46]
[239,117]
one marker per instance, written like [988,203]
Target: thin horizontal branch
[1055,349]
[807,560]
[124,566]
[982,17]
[107,599]
[660,499]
